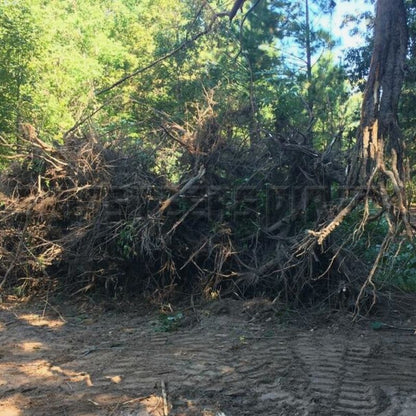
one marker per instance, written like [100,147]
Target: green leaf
[377,325]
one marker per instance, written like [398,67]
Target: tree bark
[380,146]
[379,163]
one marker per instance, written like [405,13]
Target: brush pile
[87,215]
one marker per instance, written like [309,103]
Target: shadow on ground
[229,357]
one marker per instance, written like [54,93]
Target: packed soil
[223,358]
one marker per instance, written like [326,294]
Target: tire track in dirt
[392,371]
[354,396]
[114,366]
[336,374]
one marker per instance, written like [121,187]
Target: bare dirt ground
[226,358]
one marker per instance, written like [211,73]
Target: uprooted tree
[245,217]
[378,169]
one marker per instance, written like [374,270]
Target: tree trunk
[379,153]
[310,102]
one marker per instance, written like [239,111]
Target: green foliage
[56,55]
[331,91]
[126,241]
[399,268]
[169,322]
[18,48]
[398,265]
[365,242]
[376,325]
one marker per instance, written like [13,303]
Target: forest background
[157,147]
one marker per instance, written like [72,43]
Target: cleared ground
[228,357]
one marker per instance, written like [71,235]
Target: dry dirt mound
[225,359]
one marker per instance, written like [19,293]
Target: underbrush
[397,268]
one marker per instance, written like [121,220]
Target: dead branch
[238,4]
[181,220]
[19,246]
[322,234]
[165,398]
[165,205]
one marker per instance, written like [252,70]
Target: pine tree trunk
[379,154]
